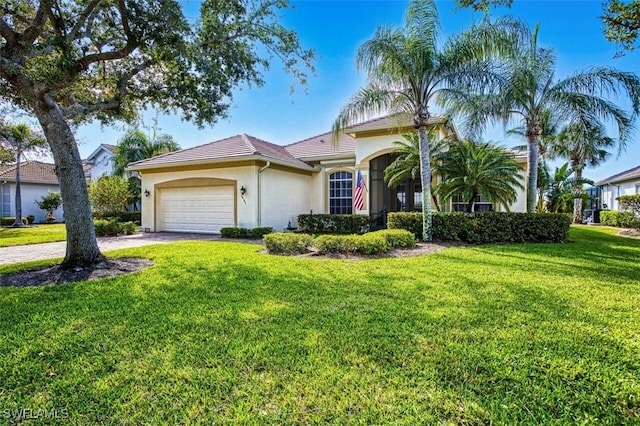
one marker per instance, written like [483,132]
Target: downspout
[259,203]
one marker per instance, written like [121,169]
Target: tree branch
[35,27]
[7,32]
[114,102]
[82,19]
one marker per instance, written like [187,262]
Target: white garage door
[197,209]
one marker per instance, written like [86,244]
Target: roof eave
[229,159]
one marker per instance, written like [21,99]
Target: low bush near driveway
[113,227]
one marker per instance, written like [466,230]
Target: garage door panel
[199,209]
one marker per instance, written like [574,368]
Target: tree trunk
[425,176]
[577,201]
[82,247]
[532,169]
[18,200]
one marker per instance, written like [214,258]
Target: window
[417,196]
[6,200]
[637,188]
[479,204]
[341,193]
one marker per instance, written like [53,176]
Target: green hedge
[125,216]
[8,221]
[373,243]
[488,227]
[333,223]
[112,227]
[287,243]
[235,232]
[398,238]
[619,219]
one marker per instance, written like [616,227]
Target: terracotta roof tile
[235,147]
[30,171]
[391,122]
[630,174]
[322,146]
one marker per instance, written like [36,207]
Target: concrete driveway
[26,253]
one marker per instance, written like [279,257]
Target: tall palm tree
[527,87]
[407,164]
[19,139]
[583,146]
[136,146]
[407,69]
[471,169]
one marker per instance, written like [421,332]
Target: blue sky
[335,29]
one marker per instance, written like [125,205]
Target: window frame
[338,204]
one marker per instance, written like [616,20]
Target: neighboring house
[624,183]
[100,162]
[36,180]
[247,182]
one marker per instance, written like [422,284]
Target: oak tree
[75,61]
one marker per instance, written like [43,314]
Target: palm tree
[471,169]
[19,139]
[407,164]
[560,188]
[583,146]
[136,146]
[527,87]
[407,69]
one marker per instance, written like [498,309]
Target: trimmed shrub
[488,227]
[398,238]
[333,223]
[234,232]
[373,243]
[31,218]
[260,232]
[112,227]
[630,203]
[619,219]
[126,216]
[287,243]
[9,220]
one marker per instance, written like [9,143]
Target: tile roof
[110,147]
[30,172]
[630,174]
[233,148]
[322,146]
[391,122]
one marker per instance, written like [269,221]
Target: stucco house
[100,162]
[244,181]
[36,180]
[623,183]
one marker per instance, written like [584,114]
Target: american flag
[358,198]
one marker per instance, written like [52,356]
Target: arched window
[341,193]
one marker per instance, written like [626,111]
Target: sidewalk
[27,253]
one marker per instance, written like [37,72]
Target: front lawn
[219,333]
[32,234]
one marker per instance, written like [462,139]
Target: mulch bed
[53,275]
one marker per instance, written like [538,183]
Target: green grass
[33,234]
[218,333]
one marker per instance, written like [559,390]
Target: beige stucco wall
[246,214]
[285,195]
[319,202]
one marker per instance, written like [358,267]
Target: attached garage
[201,209]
